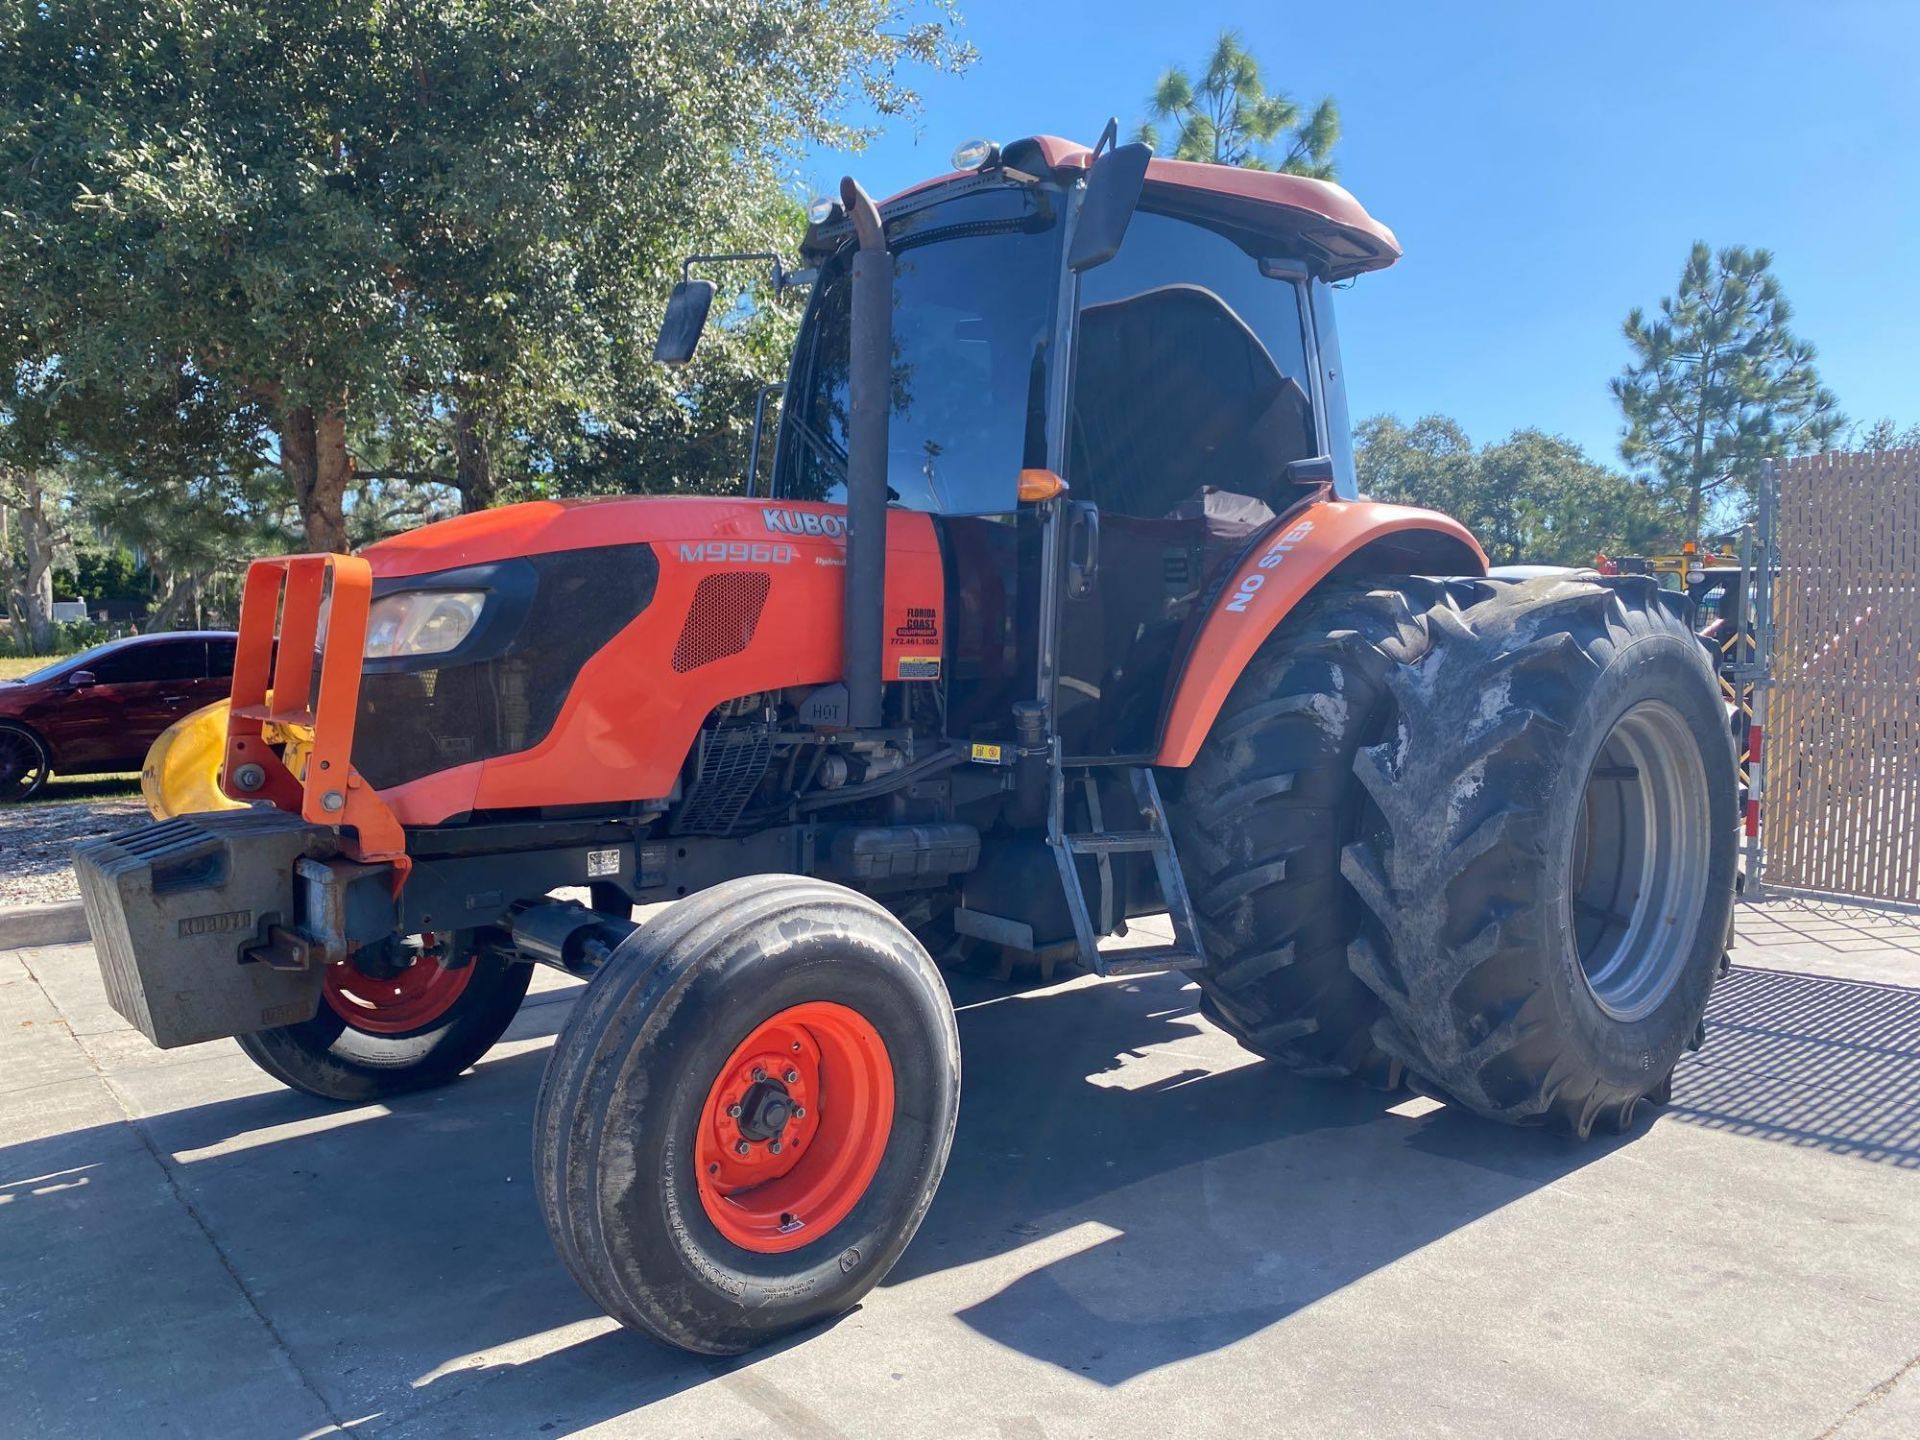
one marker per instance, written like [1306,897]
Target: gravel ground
[37,839]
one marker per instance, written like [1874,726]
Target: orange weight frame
[290,595]
[1281,568]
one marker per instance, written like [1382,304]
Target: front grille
[436,713]
[733,761]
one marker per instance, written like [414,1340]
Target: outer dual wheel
[1547,869]
[384,1030]
[746,1117]
[24,766]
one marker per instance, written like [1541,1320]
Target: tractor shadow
[1179,1196]
[1126,1190]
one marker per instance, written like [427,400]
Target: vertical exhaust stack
[869,404]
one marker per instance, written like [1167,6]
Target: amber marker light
[1038,485]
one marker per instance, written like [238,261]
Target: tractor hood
[600,634]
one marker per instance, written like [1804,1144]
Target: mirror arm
[782,277]
[1109,137]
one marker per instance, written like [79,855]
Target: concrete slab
[1143,1229]
[118,1315]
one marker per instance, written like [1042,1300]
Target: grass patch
[14,666]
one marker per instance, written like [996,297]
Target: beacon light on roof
[974,154]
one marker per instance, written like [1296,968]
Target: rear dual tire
[1261,816]
[1548,879]
[1414,817]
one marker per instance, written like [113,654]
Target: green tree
[1430,463]
[1882,434]
[36,535]
[1229,117]
[363,219]
[1718,384]
[1532,498]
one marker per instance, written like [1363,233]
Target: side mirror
[1113,193]
[81,679]
[686,317]
[1314,470]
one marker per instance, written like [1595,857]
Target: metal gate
[1836,582]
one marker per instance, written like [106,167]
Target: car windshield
[973,296]
[68,662]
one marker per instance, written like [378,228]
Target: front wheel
[747,1115]
[387,1029]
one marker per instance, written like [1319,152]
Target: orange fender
[1282,566]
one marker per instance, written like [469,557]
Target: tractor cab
[1106,373]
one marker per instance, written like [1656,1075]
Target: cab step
[1118,842]
[1148,959]
[1100,844]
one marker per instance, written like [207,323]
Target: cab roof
[1321,219]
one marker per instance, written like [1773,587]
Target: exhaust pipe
[869,404]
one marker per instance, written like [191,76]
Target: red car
[97,712]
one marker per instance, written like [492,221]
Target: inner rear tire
[640,1086]
[1261,815]
[1549,879]
[332,1058]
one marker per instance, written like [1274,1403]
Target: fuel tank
[609,630]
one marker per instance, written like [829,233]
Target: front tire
[377,1036]
[747,1115]
[1549,882]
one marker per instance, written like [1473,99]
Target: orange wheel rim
[396,1004]
[794,1127]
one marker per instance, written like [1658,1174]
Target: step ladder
[1101,844]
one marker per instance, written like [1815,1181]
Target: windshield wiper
[829,452]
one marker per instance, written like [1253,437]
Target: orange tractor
[1061,611]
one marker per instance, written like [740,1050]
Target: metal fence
[1837,621]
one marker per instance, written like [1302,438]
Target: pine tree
[1228,117]
[1719,385]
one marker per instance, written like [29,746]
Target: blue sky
[1546,166]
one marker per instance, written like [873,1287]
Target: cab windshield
[975,279]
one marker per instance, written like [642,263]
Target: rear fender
[1281,567]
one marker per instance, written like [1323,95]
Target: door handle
[1083,549]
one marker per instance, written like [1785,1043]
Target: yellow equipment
[181,775]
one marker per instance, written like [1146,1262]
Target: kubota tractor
[1062,610]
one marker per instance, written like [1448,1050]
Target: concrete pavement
[1142,1231]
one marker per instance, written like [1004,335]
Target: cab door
[1193,390]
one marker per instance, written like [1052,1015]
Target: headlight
[422,622]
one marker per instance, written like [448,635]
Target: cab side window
[1191,375]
